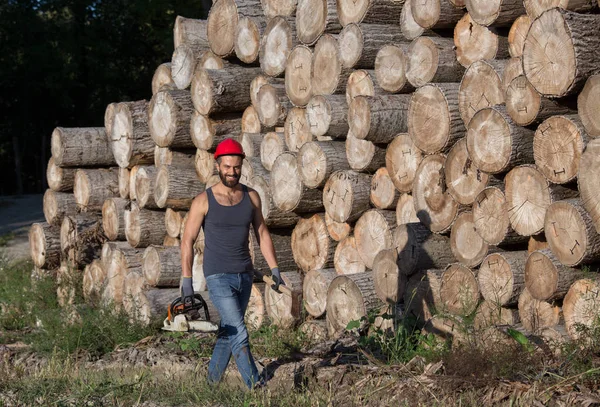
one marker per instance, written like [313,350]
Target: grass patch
[6,239]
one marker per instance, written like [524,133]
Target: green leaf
[520,338]
[353,325]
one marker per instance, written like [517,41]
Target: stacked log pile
[404,169]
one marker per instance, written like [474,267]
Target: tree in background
[63,61]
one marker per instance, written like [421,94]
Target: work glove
[187,290]
[276,276]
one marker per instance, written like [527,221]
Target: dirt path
[17,213]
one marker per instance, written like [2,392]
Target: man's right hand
[187,290]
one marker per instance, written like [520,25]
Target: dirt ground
[17,213]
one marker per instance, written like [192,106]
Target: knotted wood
[144,227]
[498,13]
[81,146]
[317,160]
[44,245]
[312,246]
[176,187]
[58,204]
[588,104]
[378,118]
[161,266]
[314,290]
[59,179]
[502,277]
[221,25]
[475,42]
[288,191]
[433,59]
[546,278]
[588,181]
[169,114]
[346,195]
[113,218]
[327,116]
[184,62]
[402,158]
[374,231]
[93,186]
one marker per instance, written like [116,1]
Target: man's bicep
[194,219]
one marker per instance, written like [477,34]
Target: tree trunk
[221,26]
[402,158]
[282,241]
[480,87]
[248,34]
[338,231]
[273,216]
[57,205]
[496,144]
[315,17]
[145,184]
[374,231]
[288,191]
[162,79]
[225,90]
[475,42]
[94,281]
[276,45]
[422,295]
[557,148]
[328,75]
[250,121]
[528,195]
[517,34]
[184,62]
[536,315]
[296,129]
[492,221]
[272,105]
[81,147]
[433,60]
[209,60]
[169,115]
[66,286]
[536,8]
[434,205]
[312,246]
[44,245]
[361,83]
[144,227]
[346,259]
[580,306]
[497,14]
[570,233]
[167,156]
[463,180]
[161,266]
[359,44]
[512,69]
[391,65]
[317,160]
[251,144]
[459,290]
[113,218]
[467,246]
[363,155]
[92,187]
[346,195]
[190,31]
[588,105]
[272,145]
[327,116]
[274,8]
[298,81]
[351,298]
[383,193]
[176,187]
[378,118]
[546,278]
[205,166]
[435,14]
[405,210]
[109,118]
[502,277]
[169,241]
[284,310]
[256,313]
[364,11]
[588,181]
[314,290]
[124,175]
[389,282]
[60,179]
[208,132]
[491,314]
[561,51]
[315,330]
[434,122]
[173,221]
[81,238]
[537,242]
[408,25]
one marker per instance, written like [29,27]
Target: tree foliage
[63,61]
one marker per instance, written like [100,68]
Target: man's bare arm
[193,223]
[262,232]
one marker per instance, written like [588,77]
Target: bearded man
[226,211]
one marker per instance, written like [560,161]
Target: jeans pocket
[213,276]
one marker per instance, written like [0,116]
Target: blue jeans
[230,294]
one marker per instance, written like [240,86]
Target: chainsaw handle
[283,288]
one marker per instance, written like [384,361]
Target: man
[226,211]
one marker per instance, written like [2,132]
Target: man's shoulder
[200,201]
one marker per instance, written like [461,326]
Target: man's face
[230,169]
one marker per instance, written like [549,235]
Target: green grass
[5,239]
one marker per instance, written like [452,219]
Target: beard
[229,182]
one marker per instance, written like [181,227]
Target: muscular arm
[192,227]
[262,232]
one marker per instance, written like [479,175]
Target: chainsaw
[189,315]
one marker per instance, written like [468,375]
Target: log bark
[363,155]
[161,266]
[124,174]
[272,145]
[58,204]
[378,118]
[81,238]
[435,14]
[361,82]
[492,220]
[391,65]
[317,160]
[113,218]
[434,121]
[434,205]
[580,306]
[536,8]
[537,315]
[162,80]
[169,114]
[288,191]
[588,181]
[384,194]
[167,156]
[338,231]
[475,42]
[557,147]
[327,116]
[351,298]
[223,90]
[276,45]
[107,250]
[81,147]
[312,246]
[405,210]
[314,290]
[145,184]
[588,104]
[389,282]
[560,52]
[459,291]
[250,121]
[359,44]
[546,278]
[526,106]
[433,59]
[59,179]
[346,195]
[256,314]
[463,180]
[94,281]
[284,310]
[365,11]
[517,34]
[207,132]
[498,14]
[402,158]
[176,187]
[248,34]
[570,233]
[529,195]
[144,227]
[480,87]
[44,245]
[189,31]
[374,231]
[496,144]
[272,105]
[346,258]
[298,80]
[315,17]
[273,216]
[328,74]
[92,187]
[502,277]
[467,246]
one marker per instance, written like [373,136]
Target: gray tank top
[226,230]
